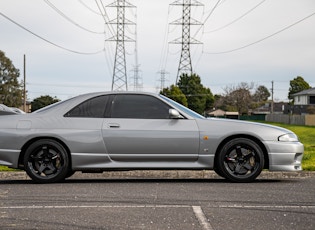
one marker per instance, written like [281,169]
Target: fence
[308,120]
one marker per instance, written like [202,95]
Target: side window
[94,108]
[139,107]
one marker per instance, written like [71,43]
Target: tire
[240,160]
[69,173]
[217,171]
[46,161]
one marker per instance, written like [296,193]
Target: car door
[139,129]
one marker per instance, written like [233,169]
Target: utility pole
[24,85]
[272,104]
[119,81]
[185,40]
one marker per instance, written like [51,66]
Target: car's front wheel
[46,161]
[240,160]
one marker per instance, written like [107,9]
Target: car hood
[227,127]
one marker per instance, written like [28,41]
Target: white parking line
[93,206]
[198,212]
[202,218]
[268,206]
[196,209]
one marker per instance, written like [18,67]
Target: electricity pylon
[119,81]
[185,40]
[137,79]
[162,79]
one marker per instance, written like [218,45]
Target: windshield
[180,107]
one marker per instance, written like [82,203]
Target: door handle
[114,125]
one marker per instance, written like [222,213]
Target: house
[216,113]
[223,114]
[278,108]
[305,97]
[304,102]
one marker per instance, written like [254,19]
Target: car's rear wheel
[240,160]
[46,161]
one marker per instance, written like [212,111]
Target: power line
[69,19]
[164,53]
[105,17]
[235,20]
[86,6]
[219,2]
[265,38]
[46,40]
[211,12]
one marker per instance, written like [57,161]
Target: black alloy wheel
[46,161]
[240,160]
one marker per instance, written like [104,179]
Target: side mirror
[174,114]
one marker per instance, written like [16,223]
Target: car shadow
[146,180]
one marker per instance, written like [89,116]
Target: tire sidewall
[62,172]
[235,178]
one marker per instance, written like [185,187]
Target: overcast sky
[277,36]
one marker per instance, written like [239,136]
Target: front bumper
[285,156]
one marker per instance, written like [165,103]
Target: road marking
[202,218]
[198,212]
[196,209]
[158,206]
[268,206]
[94,206]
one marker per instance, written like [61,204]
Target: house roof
[310,91]
[220,112]
[217,112]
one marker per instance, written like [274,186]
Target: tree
[198,97]
[11,90]
[261,94]
[43,101]
[298,84]
[238,98]
[175,94]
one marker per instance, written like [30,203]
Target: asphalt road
[202,201]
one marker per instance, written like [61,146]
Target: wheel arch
[256,140]
[31,141]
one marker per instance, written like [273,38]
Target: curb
[163,174]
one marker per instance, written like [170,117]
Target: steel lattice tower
[119,81]
[185,40]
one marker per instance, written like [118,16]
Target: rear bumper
[9,157]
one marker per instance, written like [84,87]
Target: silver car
[130,131]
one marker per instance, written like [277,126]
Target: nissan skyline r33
[132,131]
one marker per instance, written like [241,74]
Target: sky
[68,50]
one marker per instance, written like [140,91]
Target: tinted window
[139,106]
[94,107]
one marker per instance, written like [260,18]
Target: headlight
[289,137]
